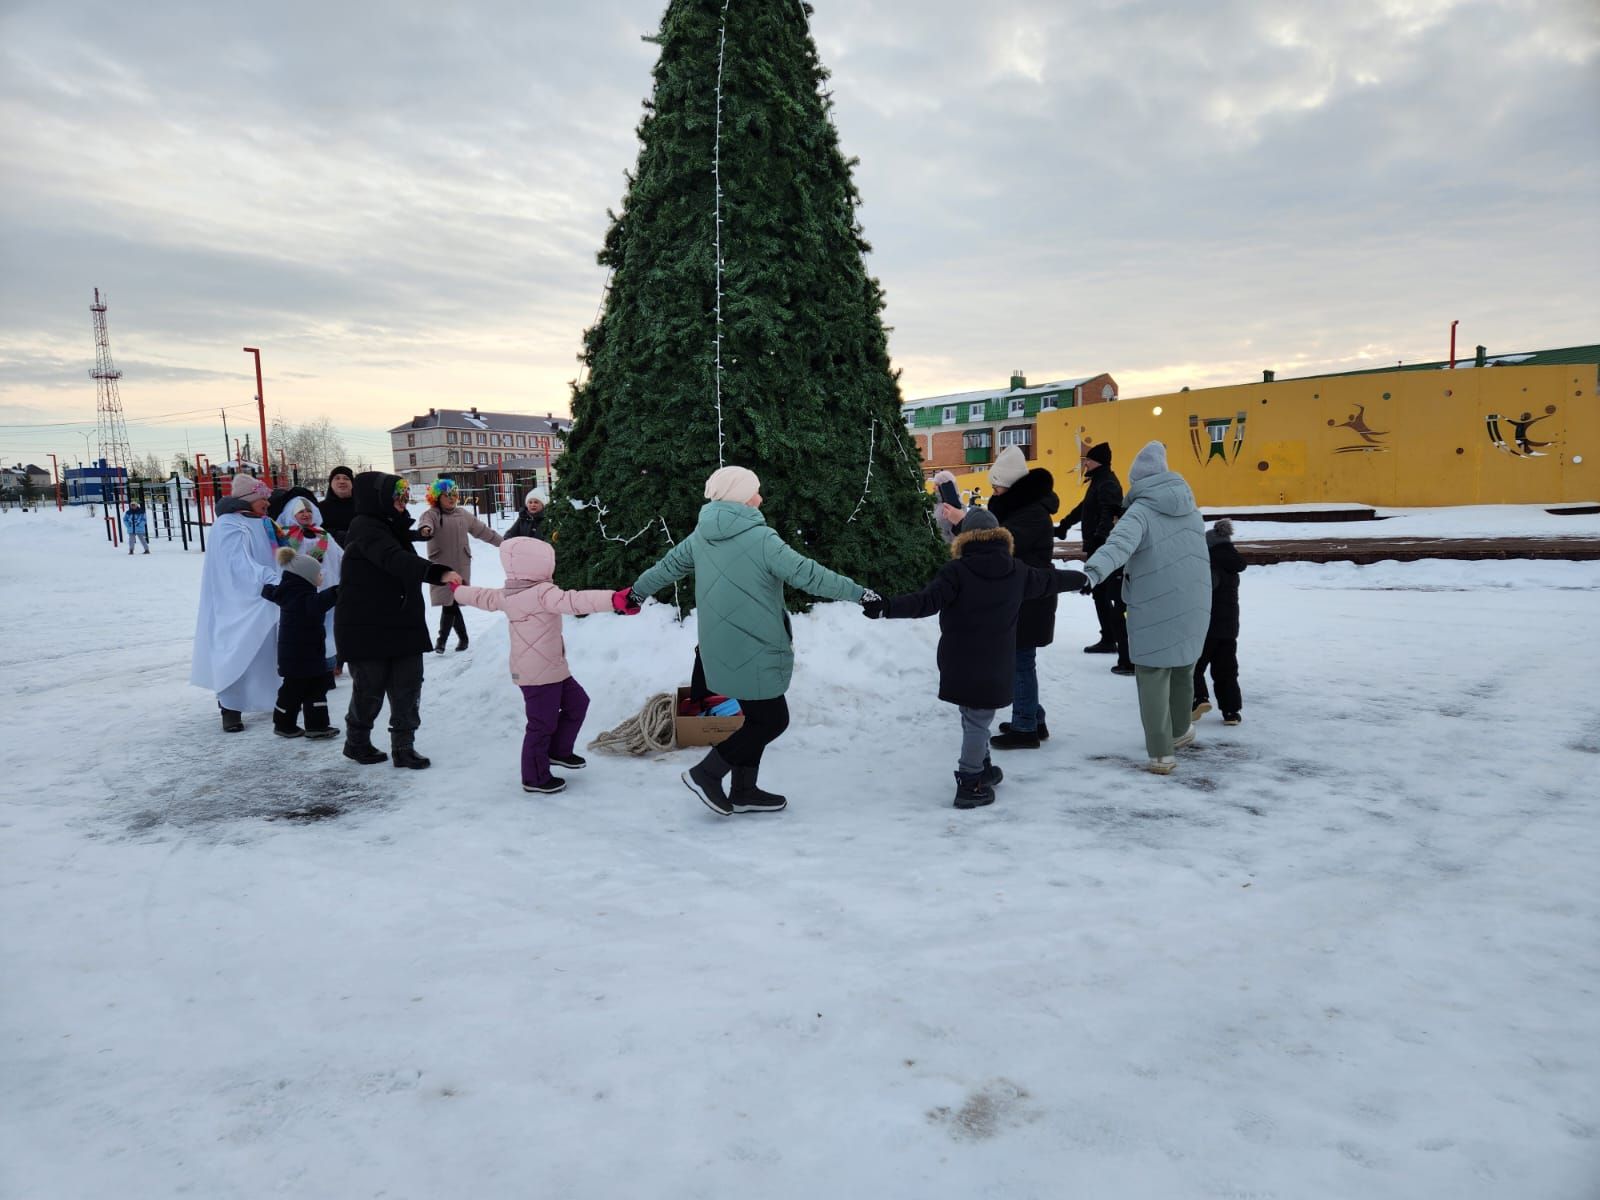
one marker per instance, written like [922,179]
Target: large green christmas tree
[740,326]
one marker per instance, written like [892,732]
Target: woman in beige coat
[448,529]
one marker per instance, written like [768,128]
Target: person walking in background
[235,652]
[1221,651]
[338,506]
[1095,515]
[978,595]
[136,525]
[448,529]
[740,565]
[554,702]
[302,645]
[380,623]
[530,521]
[1160,545]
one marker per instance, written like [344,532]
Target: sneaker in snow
[1231,718]
[548,788]
[1201,708]
[1161,766]
[1184,739]
[1119,669]
[572,762]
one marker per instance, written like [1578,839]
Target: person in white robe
[236,631]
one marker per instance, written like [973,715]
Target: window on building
[975,412]
[1047,403]
[1016,437]
[483,455]
[911,418]
[413,459]
[483,439]
[1018,407]
[453,458]
[450,437]
[522,442]
[949,414]
[411,439]
[978,439]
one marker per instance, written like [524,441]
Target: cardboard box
[702,731]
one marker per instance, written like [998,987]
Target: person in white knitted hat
[740,566]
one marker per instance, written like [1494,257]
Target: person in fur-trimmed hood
[1025,503]
[979,595]
[1221,652]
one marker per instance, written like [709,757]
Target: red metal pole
[1453,325]
[199,486]
[55,469]
[261,410]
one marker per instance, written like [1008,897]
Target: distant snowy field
[1348,950]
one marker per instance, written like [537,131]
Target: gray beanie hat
[1151,460]
[978,518]
[302,565]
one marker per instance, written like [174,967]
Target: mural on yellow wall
[1371,439]
[1520,446]
[1216,437]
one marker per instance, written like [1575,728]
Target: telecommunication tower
[112,429]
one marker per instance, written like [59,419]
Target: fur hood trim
[982,535]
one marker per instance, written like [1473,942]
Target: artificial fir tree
[740,325]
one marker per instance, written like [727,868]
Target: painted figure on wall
[1520,444]
[1370,443]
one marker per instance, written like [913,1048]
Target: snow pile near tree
[1347,950]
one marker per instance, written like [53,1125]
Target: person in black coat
[302,642]
[1221,652]
[979,595]
[530,521]
[338,507]
[380,623]
[1095,514]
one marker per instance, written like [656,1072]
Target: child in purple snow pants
[554,702]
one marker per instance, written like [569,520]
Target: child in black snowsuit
[977,595]
[1221,652]
[302,642]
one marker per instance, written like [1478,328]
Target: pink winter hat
[248,487]
[736,484]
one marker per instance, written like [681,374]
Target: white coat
[236,631]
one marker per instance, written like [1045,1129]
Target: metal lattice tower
[112,429]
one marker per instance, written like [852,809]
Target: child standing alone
[554,701]
[978,595]
[1221,651]
[301,644]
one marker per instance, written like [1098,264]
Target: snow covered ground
[1464,521]
[1348,950]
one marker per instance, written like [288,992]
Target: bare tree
[314,448]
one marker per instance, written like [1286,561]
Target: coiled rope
[649,732]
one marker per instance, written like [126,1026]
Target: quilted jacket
[535,607]
[740,565]
[1160,543]
[451,544]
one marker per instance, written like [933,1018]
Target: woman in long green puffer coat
[740,565]
[1160,542]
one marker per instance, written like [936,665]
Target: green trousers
[1166,700]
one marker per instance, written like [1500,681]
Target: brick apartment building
[964,431]
[454,442]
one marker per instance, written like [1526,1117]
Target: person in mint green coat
[1160,542]
[740,565]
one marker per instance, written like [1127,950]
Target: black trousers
[373,679]
[764,723]
[311,695]
[1222,656]
[1112,614]
[450,618]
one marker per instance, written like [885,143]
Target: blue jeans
[1026,712]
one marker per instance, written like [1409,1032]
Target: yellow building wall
[1397,438]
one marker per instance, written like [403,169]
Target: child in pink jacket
[555,704]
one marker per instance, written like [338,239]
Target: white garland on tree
[872,444]
[716,179]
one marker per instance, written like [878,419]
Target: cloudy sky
[401,202]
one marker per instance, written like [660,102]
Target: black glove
[1062,527]
[1088,587]
[1075,581]
[872,605]
[635,601]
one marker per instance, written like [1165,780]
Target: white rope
[650,731]
[716,179]
[872,443]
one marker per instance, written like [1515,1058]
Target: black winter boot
[1104,646]
[364,752]
[1042,730]
[704,779]
[1014,739]
[990,774]
[745,796]
[972,791]
[405,755]
[438,646]
[232,719]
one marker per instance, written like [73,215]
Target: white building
[449,441]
